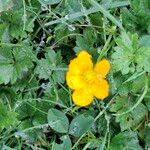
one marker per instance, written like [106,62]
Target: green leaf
[138,114]
[49,2]
[129,120]
[66,145]
[25,110]
[61,31]
[58,121]
[127,140]
[39,119]
[138,84]
[143,58]
[128,56]
[14,22]
[29,25]
[51,66]
[123,57]
[101,125]
[86,42]
[5,5]
[17,24]
[71,7]
[129,20]
[141,12]
[14,62]
[121,105]
[30,135]
[141,7]
[4,33]
[145,41]
[147,137]
[147,102]
[80,124]
[96,20]
[23,83]
[7,118]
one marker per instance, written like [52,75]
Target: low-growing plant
[54,58]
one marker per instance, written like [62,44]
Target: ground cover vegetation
[41,107]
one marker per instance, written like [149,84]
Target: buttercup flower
[86,80]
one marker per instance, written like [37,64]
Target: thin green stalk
[24,15]
[74,34]
[107,131]
[105,48]
[75,145]
[87,145]
[103,111]
[138,102]
[134,76]
[31,128]
[18,104]
[106,13]
[88,11]
[37,108]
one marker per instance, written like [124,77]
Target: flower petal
[100,89]
[82,97]
[75,81]
[84,54]
[102,67]
[80,64]
[74,68]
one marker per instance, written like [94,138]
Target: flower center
[89,76]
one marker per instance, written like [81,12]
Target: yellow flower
[86,80]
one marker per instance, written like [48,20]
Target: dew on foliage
[53,123]
[20,134]
[65,137]
[71,28]
[44,7]
[75,128]
[67,17]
